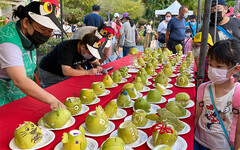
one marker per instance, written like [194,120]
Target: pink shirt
[188,45]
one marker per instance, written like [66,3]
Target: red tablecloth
[29,109]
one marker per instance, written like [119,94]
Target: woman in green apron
[18,43]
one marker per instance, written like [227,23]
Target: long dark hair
[20,12]
[130,21]
[149,21]
[226,52]
[118,22]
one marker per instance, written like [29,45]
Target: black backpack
[145,31]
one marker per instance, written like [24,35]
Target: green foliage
[74,15]
[142,21]
[48,46]
[2,23]
[4,4]
[134,8]
[85,5]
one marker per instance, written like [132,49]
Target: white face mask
[218,76]
[168,18]
[87,56]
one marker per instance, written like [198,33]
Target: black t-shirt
[232,26]
[65,53]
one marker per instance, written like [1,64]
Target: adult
[192,24]
[102,31]
[18,43]
[226,27]
[93,19]
[116,25]
[69,59]
[162,29]
[128,31]
[176,29]
[148,37]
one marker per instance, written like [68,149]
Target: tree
[134,8]
[85,5]
[4,4]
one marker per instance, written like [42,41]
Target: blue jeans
[126,50]
[198,146]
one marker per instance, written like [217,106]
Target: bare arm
[167,37]
[197,113]
[30,88]
[97,65]
[70,72]
[237,136]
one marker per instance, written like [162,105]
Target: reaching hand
[54,104]
[99,69]
[92,71]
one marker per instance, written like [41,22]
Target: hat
[96,48]
[45,13]
[116,15]
[198,37]
[124,15]
[220,2]
[192,17]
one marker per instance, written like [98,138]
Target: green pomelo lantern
[139,118]
[73,105]
[98,88]
[154,96]
[87,96]
[128,132]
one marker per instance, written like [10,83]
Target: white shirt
[208,130]
[149,28]
[162,27]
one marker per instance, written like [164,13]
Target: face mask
[192,23]
[218,76]
[188,35]
[37,38]
[185,16]
[168,18]
[196,51]
[151,22]
[219,17]
[87,56]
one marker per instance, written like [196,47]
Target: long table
[29,109]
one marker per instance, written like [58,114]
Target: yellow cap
[197,38]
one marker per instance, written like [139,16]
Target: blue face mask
[185,16]
[192,23]
[188,34]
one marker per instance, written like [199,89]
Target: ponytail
[130,21]
[118,22]
[20,12]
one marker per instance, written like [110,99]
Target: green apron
[8,91]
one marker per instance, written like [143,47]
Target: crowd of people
[95,43]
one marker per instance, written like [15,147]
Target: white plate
[126,148]
[190,104]
[48,137]
[128,76]
[132,66]
[110,128]
[149,83]
[190,85]
[180,144]
[138,95]
[113,86]
[168,86]
[190,75]
[188,114]
[131,104]
[145,89]
[163,100]
[159,64]
[121,114]
[168,92]
[97,100]
[191,80]
[149,124]
[153,74]
[153,109]
[157,68]
[69,123]
[106,92]
[169,80]
[140,141]
[83,110]
[123,81]
[132,70]
[149,77]
[185,130]
[173,75]
[91,145]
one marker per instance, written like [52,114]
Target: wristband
[98,65]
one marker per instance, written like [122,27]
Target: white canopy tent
[173,8]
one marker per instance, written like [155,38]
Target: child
[188,41]
[223,60]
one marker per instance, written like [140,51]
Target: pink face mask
[218,76]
